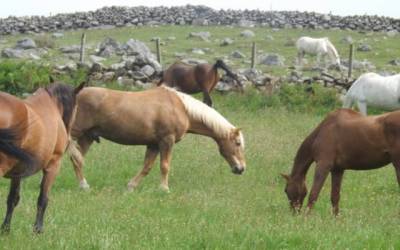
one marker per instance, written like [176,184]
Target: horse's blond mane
[201,112]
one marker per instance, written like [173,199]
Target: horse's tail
[161,74]
[347,101]
[221,64]
[74,153]
[8,139]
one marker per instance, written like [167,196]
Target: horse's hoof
[5,229]
[164,188]
[84,185]
[37,229]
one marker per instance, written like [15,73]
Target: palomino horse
[198,78]
[345,139]
[374,90]
[34,134]
[321,47]
[157,118]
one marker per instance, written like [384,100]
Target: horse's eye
[238,143]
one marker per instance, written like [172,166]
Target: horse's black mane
[65,96]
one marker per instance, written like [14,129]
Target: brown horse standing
[344,140]
[157,118]
[34,135]
[198,78]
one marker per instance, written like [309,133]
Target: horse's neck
[198,127]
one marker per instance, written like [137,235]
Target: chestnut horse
[34,134]
[157,118]
[198,78]
[344,140]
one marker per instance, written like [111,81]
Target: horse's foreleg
[150,157]
[206,97]
[362,107]
[77,157]
[12,202]
[165,155]
[321,172]
[337,177]
[49,175]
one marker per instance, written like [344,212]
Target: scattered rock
[395,62]
[237,54]
[70,49]
[247,34]
[364,47]
[147,70]
[272,59]
[226,41]
[26,43]
[347,40]
[198,51]
[203,35]
[57,35]
[392,33]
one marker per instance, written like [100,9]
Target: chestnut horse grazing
[344,140]
[34,134]
[198,78]
[157,118]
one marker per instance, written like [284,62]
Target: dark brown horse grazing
[34,134]
[344,140]
[198,78]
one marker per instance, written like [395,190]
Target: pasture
[208,206]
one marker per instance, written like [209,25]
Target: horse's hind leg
[166,155]
[337,176]
[77,158]
[321,172]
[12,202]
[150,157]
[49,175]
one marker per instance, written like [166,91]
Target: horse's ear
[285,176]
[236,131]
[79,88]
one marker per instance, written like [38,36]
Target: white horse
[374,90]
[321,47]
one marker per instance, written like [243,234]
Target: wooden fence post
[253,55]
[82,52]
[158,50]
[351,52]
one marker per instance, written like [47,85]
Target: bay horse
[344,140]
[34,134]
[374,90]
[321,47]
[198,78]
[157,118]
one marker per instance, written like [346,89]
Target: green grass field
[209,207]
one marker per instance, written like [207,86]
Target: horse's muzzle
[237,170]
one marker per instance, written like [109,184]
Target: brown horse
[198,78]
[344,140]
[157,118]
[34,135]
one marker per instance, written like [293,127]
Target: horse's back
[353,141]
[129,117]
[377,90]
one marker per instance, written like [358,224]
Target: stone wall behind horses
[194,15]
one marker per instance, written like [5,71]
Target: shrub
[45,41]
[19,77]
